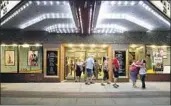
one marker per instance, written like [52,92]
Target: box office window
[158,59]
[30,59]
[9,59]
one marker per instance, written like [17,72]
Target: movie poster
[9,58]
[33,58]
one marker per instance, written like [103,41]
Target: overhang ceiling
[85,16]
[121,16]
[51,16]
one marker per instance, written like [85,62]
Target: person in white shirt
[142,73]
[89,69]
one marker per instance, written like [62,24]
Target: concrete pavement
[157,93]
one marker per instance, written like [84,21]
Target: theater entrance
[75,54]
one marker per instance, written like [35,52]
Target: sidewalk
[79,93]
[81,87]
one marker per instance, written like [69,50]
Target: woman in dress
[78,70]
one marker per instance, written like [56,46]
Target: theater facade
[40,41]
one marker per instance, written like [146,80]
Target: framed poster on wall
[9,58]
[33,58]
[51,63]
[122,60]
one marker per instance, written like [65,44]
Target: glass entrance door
[75,54]
[70,65]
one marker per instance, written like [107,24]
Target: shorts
[116,73]
[89,72]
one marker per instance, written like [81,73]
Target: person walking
[96,69]
[89,69]
[115,65]
[78,70]
[105,71]
[142,73]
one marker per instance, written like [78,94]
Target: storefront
[157,57]
[43,45]
[53,62]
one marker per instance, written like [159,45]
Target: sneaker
[87,83]
[117,85]
[102,84]
[135,86]
[114,85]
[76,81]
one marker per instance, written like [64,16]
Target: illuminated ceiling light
[27,4]
[130,18]
[119,2]
[104,45]
[153,46]
[126,2]
[38,2]
[24,7]
[25,45]
[37,45]
[70,45]
[51,2]
[113,2]
[40,18]
[30,2]
[164,46]
[57,2]
[3,45]
[44,2]
[139,22]
[133,46]
[93,45]
[133,3]
[82,45]
[113,26]
[72,30]
[14,45]
[153,12]
[141,47]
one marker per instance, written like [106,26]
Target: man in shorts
[115,65]
[89,69]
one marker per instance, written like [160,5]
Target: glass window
[158,59]
[136,52]
[30,59]
[9,59]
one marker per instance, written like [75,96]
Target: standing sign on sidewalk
[51,61]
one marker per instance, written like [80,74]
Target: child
[142,73]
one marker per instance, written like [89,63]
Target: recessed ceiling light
[44,2]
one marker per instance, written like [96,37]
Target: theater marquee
[7,5]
